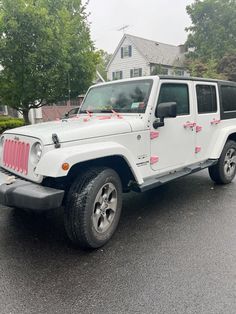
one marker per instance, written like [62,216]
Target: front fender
[220,140]
[51,163]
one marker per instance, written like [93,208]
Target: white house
[137,56]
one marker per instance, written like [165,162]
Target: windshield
[131,97]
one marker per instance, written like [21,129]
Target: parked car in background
[71,113]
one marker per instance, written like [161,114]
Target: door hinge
[215,122]
[154,134]
[154,160]
[197,149]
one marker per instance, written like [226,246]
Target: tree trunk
[26,116]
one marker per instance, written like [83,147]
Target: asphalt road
[174,252]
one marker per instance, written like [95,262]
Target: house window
[158,69]
[126,51]
[136,72]
[164,71]
[206,98]
[179,72]
[118,75]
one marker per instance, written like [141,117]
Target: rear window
[228,94]
[206,98]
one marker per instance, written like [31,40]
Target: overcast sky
[160,20]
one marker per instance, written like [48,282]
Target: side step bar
[156,181]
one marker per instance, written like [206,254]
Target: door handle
[198,128]
[189,125]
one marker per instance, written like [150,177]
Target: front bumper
[28,195]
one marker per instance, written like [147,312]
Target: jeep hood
[79,128]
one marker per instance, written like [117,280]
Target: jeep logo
[16,138]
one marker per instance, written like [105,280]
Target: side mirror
[66,115]
[165,110]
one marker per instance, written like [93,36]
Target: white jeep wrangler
[134,134]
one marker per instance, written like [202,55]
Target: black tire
[225,169]
[81,216]
[31,212]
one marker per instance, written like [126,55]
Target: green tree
[213,30]
[200,68]
[227,66]
[212,36]
[46,52]
[105,58]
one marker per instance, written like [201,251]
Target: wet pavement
[174,252]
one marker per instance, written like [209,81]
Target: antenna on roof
[123,28]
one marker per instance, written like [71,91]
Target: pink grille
[16,155]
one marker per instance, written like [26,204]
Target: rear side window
[175,93]
[206,98]
[228,94]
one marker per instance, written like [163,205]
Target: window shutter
[122,52]
[131,73]
[121,74]
[130,51]
[140,72]
[113,76]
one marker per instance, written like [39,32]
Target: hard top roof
[187,78]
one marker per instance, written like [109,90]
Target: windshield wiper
[119,116]
[113,111]
[85,111]
[104,111]
[100,111]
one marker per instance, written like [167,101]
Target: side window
[171,92]
[117,75]
[206,98]
[228,98]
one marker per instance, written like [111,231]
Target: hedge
[7,123]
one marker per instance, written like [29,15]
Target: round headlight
[36,152]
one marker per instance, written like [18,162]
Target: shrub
[7,123]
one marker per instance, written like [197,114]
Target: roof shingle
[158,53]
